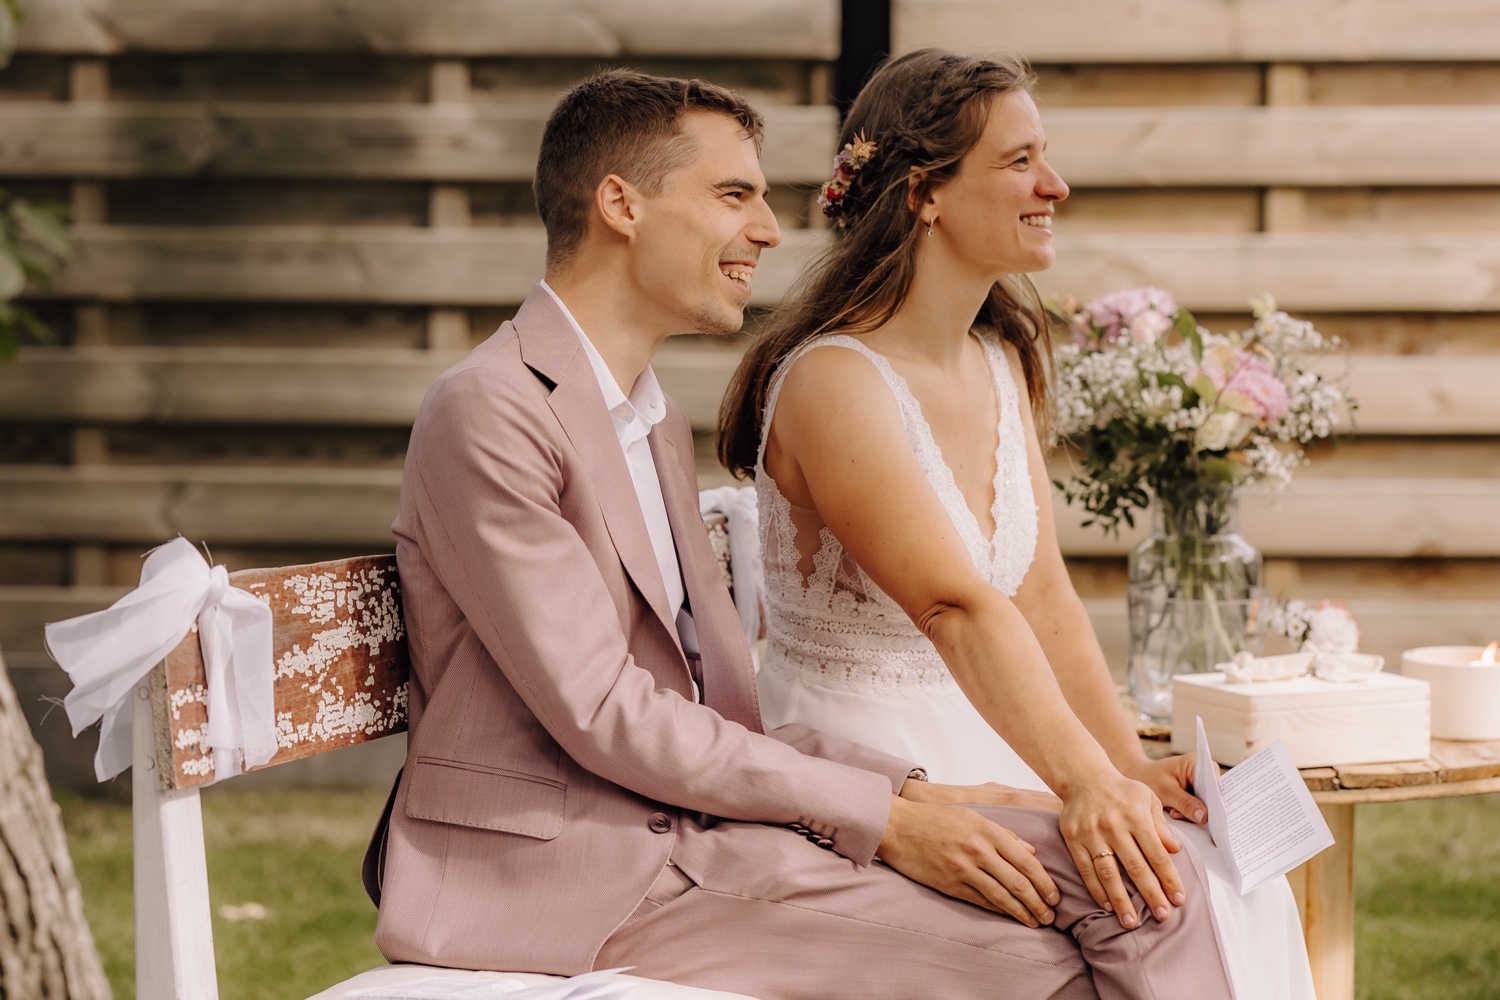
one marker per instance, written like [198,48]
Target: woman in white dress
[917,599]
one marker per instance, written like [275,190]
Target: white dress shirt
[633,417]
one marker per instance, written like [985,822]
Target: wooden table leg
[1328,908]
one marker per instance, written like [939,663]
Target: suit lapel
[551,348]
[727,678]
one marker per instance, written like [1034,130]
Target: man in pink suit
[588,782]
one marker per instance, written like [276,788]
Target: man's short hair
[619,122]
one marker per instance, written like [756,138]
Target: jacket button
[660,823]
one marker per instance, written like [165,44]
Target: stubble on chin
[718,322]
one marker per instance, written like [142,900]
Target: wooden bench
[341,670]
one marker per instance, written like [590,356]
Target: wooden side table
[1324,886]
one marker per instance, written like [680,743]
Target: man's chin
[719,321]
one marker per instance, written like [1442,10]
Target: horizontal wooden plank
[1399,395]
[336,264]
[1113,147]
[1303,146]
[1422,394]
[1148,31]
[439,142]
[1363,272]
[1342,517]
[606,28]
[219,385]
[231,505]
[1388,518]
[1208,271]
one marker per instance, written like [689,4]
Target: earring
[930,225]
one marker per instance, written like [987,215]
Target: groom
[588,782]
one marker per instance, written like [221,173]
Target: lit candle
[1465,689]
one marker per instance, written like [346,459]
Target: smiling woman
[917,600]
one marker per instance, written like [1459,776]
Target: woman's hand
[1170,778]
[1114,827]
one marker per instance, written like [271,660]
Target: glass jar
[1194,597]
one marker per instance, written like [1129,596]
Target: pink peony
[1251,377]
[1120,311]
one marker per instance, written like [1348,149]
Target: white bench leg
[174,938]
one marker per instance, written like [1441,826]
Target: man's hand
[1170,779]
[1115,827]
[989,794]
[961,854]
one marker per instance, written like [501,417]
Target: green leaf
[44,225]
[12,275]
[1220,469]
[1187,329]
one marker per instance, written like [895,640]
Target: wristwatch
[917,774]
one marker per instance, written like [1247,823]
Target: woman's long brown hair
[924,111]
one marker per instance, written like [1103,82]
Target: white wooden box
[1323,724]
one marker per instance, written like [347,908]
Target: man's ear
[619,205]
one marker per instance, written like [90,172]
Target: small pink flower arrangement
[1158,406]
[849,162]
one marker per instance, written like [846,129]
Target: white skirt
[936,727]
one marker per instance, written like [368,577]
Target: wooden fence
[292,215]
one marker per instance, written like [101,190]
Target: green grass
[1428,892]
[297,853]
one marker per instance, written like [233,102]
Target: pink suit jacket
[554,744]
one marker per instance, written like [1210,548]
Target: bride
[917,599]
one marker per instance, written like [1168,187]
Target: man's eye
[1024,161]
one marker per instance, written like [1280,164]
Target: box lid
[1214,689]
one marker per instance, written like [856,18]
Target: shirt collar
[646,401]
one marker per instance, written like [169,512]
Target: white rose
[1333,629]
[1217,431]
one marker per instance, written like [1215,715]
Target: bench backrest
[339,646]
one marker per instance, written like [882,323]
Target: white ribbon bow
[109,652]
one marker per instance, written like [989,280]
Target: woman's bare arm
[1057,617]
[837,444]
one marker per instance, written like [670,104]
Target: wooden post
[1328,908]
[88,83]
[174,937]
[448,206]
[1285,209]
[48,951]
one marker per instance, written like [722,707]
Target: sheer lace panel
[827,622]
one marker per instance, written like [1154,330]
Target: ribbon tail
[254,676]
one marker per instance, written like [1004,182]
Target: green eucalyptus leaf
[1187,329]
[43,225]
[12,275]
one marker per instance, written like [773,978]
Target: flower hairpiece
[849,161]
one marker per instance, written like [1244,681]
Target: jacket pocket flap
[450,791]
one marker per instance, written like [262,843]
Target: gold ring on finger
[1106,853]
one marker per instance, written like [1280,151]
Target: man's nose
[765,231]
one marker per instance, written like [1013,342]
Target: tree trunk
[46,949]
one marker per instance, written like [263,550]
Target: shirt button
[660,823]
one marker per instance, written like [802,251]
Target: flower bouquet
[1162,413]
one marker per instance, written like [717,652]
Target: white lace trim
[836,628]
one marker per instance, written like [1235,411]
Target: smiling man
[588,781]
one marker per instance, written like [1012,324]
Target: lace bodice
[833,627]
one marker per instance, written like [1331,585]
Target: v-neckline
[945,471]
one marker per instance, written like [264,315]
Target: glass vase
[1194,597]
